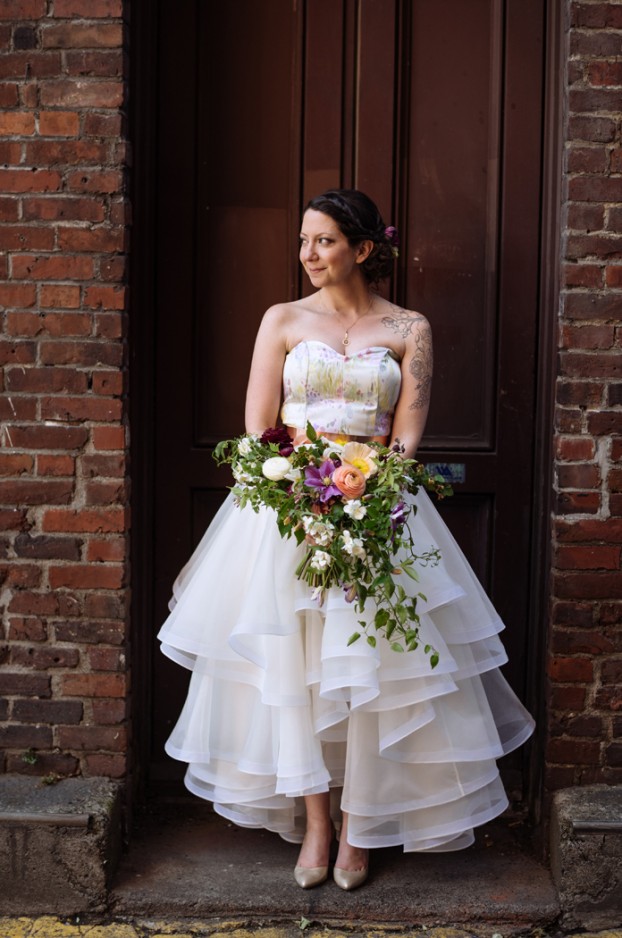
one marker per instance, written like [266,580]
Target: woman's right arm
[263,395]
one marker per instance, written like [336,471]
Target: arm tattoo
[401,321]
[420,367]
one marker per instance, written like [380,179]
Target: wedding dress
[280,707]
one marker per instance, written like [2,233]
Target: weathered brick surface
[63,447]
[585,648]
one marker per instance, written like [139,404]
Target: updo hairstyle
[359,220]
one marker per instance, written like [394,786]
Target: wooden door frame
[143,123]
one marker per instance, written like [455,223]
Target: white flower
[244,446]
[293,475]
[276,468]
[320,560]
[353,546]
[355,508]
[333,448]
[240,475]
[321,532]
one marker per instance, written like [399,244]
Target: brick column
[585,663]
[63,466]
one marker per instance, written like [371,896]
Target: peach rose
[349,480]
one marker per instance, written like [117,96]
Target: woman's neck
[350,300]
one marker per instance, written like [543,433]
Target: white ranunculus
[355,508]
[276,468]
[244,446]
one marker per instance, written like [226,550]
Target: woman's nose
[309,251]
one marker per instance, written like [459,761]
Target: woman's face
[325,252]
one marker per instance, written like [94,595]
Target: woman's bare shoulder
[404,322]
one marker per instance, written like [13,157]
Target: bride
[281,715]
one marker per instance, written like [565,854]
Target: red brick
[595,43]
[16,123]
[574,752]
[8,94]
[111,738]
[84,354]
[569,503]
[604,245]
[103,181]
[16,408]
[570,670]
[573,614]
[73,208]
[46,380]
[587,558]
[615,505]
[82,93]
[12,519]
[20,575]
[109,712]
[29,90]
[65,152]
[588,586]
[110,766]
[614,480]
[8,207]
[44,547]
[91,632]
[106,550]
[27,180]
[616,159]
[102,125]
[109,325]
[594,189]
[25,238]
[60,296]
[108,383]
[48,465]
[106,659]
[86,576]
[27,629]
[616,449]
[52,324]
[11,152]
[580,393]
[17,353]
[18,684]
[41,657]
[114,269]
[98,297]
[48,711]
[16,736]
[81,36]
[64,438]
[609,698]
[588,364]
[605,73]
[573,642]
[591,306]
[608,421]
[82,408]
[568,420]
[613,276]
[586,529]
[614,217]
[48,763]
[96,521]
[578,477]
[106,467]
[591,129]
[580,726]
[105,493]
[613,754]
[108,438]
[108,64]
[89,9]
[97,240]
[23,295]
[593,99]
[30,64]
[59,123]
[574,448]
[583,275]
[53,267]
[36,492]
[93,685]
[587,160]
[14,464]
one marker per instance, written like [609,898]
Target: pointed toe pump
[308,877]
[349,879]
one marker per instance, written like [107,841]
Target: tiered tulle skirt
[280,707]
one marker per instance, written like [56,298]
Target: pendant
[345,340]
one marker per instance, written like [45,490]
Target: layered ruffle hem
[280,707]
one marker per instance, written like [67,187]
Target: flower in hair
[390,233]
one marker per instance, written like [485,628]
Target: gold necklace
[346,338]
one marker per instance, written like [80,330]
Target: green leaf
[411,572]
[397,647]
[371,640]
[434,659]
[310,431]
[354,638]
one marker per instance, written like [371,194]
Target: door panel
[428,107]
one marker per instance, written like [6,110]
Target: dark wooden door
[429,107]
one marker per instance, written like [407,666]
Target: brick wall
[585,663]
[63,470]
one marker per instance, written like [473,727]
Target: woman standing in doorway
[282,715]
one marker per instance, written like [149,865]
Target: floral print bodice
[354,394]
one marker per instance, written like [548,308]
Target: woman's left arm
[413,403]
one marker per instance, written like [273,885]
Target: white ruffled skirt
[280,707]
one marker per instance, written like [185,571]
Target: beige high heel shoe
[308,877]
[349,879]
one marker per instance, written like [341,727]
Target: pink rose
[349,480]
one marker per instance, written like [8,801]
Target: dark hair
[359,220]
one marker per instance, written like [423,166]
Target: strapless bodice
[350,394]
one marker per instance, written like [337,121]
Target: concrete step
[186,862]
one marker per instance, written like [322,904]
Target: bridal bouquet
[344,501]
